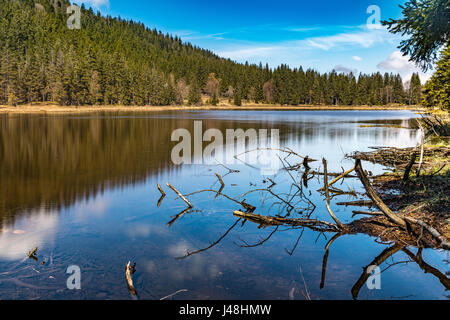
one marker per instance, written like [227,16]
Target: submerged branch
[327,194]
[180,195]
[376,199]
[213,244]
[318,225]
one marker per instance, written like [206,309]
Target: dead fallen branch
[397,219]
[129,271]
[32,252]
[221,181]
[161,190]
[215,243]
[359,203]
[376,199]
[180,195]
[163,195]
[242,203]
[443,241]
[327,195]
[340,177]
[276,221]
[422,146]
[369,213]
[409,167]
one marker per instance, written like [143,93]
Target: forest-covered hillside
[114,61]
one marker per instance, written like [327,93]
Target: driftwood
[180,195]
[376,199]
[276,221]
[443,241]
[339,177]
[163,195]
[161,190]
[327,194]
[220,180]
[399,220]
[215,243]
[369,213]
[31,254]
[422,146]
[245,205]
[359,203]
[409,167]
[129,271]
[332,174]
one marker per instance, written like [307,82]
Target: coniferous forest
[111,61]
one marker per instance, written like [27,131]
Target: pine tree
[237,99]
[194,97]
[415,90]
[437,89]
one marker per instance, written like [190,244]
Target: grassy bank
[55,109]
[422,194]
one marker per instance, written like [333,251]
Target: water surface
[82,188]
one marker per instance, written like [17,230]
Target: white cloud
[357,38]
[343,69]
[36,230]
[365,39]
[249,52]
[399,63]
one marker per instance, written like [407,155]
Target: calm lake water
[83,189]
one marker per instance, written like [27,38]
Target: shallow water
[82,188]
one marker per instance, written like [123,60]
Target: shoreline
[54,109]
[421,197]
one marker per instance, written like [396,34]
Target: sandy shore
[54,109]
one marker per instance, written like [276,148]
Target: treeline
[115,61]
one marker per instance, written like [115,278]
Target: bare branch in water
[215,243]
[180,195]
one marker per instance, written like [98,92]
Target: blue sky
[323,35]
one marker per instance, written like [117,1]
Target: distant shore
[55,109]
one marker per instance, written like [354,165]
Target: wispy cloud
[397,62]
[302,29]
[366,38]
[342,69]
[356,38]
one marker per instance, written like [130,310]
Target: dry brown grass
[55,109]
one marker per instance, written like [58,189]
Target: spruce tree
[237,99]
[194,97]
[437,89]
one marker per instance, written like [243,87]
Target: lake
[83,190]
